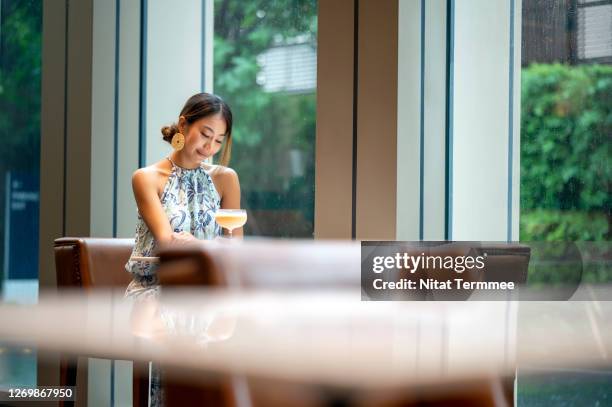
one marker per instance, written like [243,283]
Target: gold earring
[178,141]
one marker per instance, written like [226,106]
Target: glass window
[20,67]
[566,124]
[566,121]
[265,60]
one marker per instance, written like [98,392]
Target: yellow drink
[231,219]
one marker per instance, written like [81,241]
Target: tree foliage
[566,129]
[20,70]
[268,127]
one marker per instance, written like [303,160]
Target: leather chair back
[89,263]
[92,262]
[264,264]
[269,264]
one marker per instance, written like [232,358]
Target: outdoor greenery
[20,69]
[20,75]
[269,128]
[566,127]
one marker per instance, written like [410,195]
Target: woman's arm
[144,184]
[230,193]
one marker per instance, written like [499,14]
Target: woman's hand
[181,238]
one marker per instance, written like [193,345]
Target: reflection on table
[321,338]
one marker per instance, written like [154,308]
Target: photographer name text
[433,284]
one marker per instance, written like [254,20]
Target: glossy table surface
[322,337]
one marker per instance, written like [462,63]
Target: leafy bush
[566,126]
[554,225]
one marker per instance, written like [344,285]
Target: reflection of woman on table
[178,196]
[151,321]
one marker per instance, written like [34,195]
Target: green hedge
[566,127]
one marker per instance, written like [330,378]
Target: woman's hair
[199,106]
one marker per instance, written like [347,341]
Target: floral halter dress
[190,201]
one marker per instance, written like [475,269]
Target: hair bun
[169,131]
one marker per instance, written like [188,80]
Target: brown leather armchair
[253,267]
[89,263]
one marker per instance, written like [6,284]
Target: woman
[178,196]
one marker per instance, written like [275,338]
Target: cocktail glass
[231,219]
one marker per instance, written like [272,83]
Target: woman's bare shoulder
[220,172]
[224,178]
[152,176]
